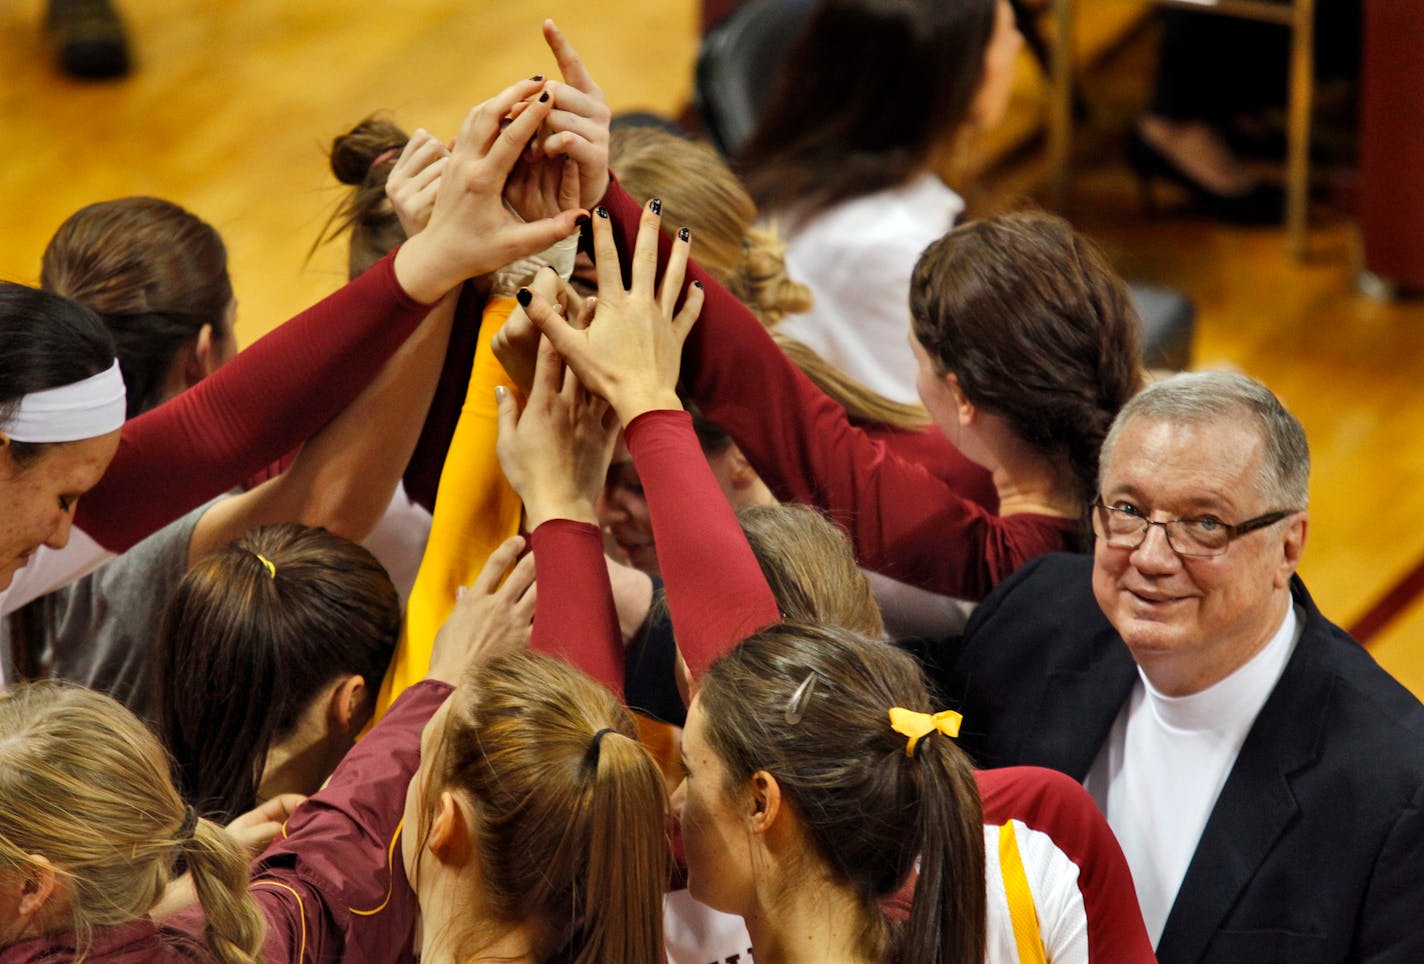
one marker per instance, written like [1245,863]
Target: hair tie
[387,155]
[916,725]
[267,564]
[594,745]
[188,826]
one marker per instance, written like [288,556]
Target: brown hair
[327,609]
[1038,329]
[154,272]
[810,567]
[86,785]
[700,192]
[869,90]
[363,158]
[869,809]
[571,826]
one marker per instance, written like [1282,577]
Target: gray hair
[1211,396]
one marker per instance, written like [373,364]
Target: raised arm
[286,386]
[555,454]
[343,477]
[716,592]
[903,521]
[629,354]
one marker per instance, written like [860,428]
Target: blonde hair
[570,810]
[700,192]
[810,567]
[86,785]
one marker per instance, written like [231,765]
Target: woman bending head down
[61,408]
[804,808]
[304,618]
[535,826]
[91,827]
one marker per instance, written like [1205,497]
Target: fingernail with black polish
[581,221]
[537,77]
[683,234]
[602,212]
[697,285]
[656,205]
[544,97]
[523,297]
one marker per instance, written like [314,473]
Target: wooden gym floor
[233,103]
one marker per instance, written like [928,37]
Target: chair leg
[1302,68]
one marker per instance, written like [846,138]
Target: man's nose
[1155,554]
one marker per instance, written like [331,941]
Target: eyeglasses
[1205,536]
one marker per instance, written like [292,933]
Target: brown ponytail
[951,825]
[1038,329]
[868,809]
[363,158]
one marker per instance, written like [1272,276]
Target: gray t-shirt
[101,630]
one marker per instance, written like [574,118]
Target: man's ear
[37,884]
[1292,545]
[451,834]
[764,801]
[348,703]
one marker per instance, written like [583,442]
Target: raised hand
[577,127]
[516,344]
[490,619]
[541,187]
[415,179]
[631,351]
[470,232]
[555,454]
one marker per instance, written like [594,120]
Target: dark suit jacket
[1315,848]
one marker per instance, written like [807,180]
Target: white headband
[84,409]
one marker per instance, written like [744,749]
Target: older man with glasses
[1264,776]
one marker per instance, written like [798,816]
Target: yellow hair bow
[267,564]
[916,725]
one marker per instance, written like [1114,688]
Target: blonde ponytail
[569,810]
[86,785]
[700,192]
[235,926]
[628,859]
[760,280]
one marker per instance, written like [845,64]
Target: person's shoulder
[1063,576]
[903,218]
[1367,706]
[1050,595]
[1356,669]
